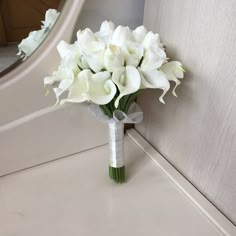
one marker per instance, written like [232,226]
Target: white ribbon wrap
[116,144]
[116,130]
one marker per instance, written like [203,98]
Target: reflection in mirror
[29,44]
[17,19]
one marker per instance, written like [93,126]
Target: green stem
[106,110]
[117,174]
[124,104]
[130,100]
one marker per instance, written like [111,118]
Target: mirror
[24,20]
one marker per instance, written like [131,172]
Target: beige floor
[73,196]
[8,56]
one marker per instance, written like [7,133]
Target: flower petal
[173,71]
[113,58]
[127,80]
[106,30]
[94,55]
[153,59]
[155,79]
[152,40]
[133,52]
[121,35]
[101,88]
[78,92]
[107,26]
[62,73]
[92,50]
[64,49]
[85,37]
[66,78]
[139,33]
[70,55]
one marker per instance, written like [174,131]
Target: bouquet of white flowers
[109,68]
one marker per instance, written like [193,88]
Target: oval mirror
[23,26]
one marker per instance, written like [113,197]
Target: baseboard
[213,214]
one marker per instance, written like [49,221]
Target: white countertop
[74,196]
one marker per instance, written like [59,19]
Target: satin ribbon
[134,116]
[116,130]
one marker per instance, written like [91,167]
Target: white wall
[196,132]
[124,12]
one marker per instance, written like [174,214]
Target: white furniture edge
[49,134]
[213,214]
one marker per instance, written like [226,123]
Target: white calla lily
[133,52]
[113,58]
[152,40]
[62,73]
[78,91]
[87,86]
[64,76]
[85,37]
[153,59]
[66,50]
[121,35]
[139,34]
[155,79]
[101,88]
[106,31]
[94,55]
[128,81]
[173,71]
[107,26]
[70,56]
[92,50]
